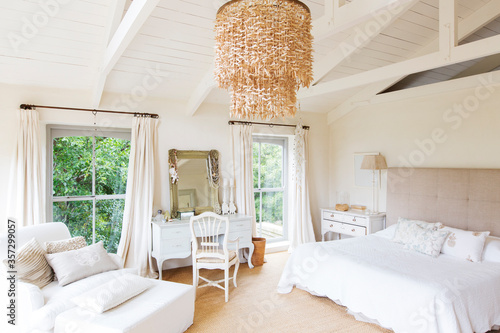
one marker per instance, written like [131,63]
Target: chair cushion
[232,255]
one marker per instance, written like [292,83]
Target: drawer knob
[354,219]
[353,230]
[331,215]
[331,225]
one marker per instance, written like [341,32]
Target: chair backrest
[207,228]
[45,232]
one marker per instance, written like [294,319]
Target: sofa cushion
[64,245]
[58,299]
[74,265]
[31,265]
[112,293]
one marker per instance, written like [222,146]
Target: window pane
[255,164]
[272,214]
[111,165]
[72,166]
[77,215]
[271,165]
[108,223]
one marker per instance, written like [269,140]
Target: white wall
[460,129]
[208,129]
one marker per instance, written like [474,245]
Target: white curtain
[135,241]
[242,153]
[300,223]
[26,193]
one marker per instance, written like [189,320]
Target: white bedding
[400,289]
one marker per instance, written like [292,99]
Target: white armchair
[207,228]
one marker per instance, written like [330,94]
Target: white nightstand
[352,223]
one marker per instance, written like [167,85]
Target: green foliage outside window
[72,176]
[271,176]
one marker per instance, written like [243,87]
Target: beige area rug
[255,306]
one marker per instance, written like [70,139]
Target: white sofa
[164,307]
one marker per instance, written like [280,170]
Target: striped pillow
[31,265]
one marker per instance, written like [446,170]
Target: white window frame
[57,131]
[283,142]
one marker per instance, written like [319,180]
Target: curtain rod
[135,114]
[233,122]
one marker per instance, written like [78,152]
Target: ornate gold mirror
[194,181]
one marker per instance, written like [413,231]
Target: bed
[380,281]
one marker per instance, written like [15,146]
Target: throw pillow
[403,234]
[425,240]
[112,293]
[467,245]
[69,244]
[31,265]
[74,265]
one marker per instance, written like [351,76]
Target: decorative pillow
[491,250]
[31,265]
[403,234]
[468,245]
[74,265]
[426,240]
[112,293]
[64,245]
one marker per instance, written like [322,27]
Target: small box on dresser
[352,223]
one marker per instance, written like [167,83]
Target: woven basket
[259,251]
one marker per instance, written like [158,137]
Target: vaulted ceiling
[165,48]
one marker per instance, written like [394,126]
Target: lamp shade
[373,162]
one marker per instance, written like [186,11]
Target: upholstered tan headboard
[461,198]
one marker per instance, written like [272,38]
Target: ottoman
[165,307]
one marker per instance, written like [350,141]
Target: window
[87,175]
[270,186]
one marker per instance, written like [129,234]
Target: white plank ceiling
[63,46]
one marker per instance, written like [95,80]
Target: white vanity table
[172,240]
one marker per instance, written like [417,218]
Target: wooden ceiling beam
[469,25]
[136,16]
[362,35]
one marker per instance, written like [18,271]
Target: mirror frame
[213,157]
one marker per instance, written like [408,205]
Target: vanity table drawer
[333,216]
[176,245]
[176,232]
[244,238]
[347,229]
[240,225]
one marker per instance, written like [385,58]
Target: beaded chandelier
[263,55]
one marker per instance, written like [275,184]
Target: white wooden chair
[206,229]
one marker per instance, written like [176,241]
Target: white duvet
[400,289]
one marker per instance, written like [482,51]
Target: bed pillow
[75,265]
[404,234]
[426,240]
[31,265]
[112,293]
[388,232]
[463,244]
[64,245]
[491,250]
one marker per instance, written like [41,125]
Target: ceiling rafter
[362,35]
[136,16]
[339,16]
[469,25]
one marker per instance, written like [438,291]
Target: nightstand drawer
[333,216]
[357,220]
[347,229]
